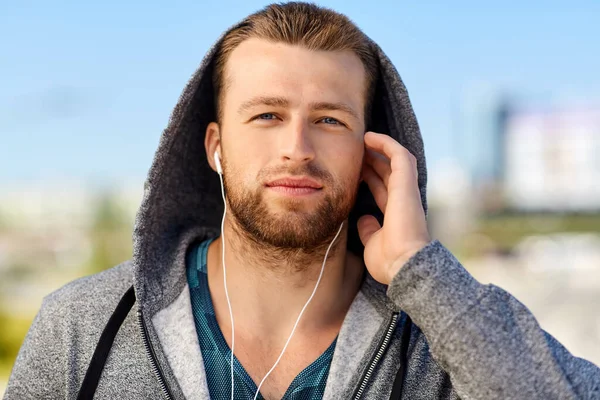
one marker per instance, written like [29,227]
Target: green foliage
[506,230]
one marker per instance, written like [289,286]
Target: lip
[295,182]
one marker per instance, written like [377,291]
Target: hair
[302,24]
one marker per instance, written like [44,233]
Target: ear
[212,143]
[363,164]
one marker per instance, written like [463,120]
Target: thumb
[367,226]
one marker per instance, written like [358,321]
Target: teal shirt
[308,385]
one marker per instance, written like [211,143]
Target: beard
[297,226]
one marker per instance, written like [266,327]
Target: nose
[296,144]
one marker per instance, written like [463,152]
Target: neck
[268,286]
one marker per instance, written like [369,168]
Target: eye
[266,116]
[330,121]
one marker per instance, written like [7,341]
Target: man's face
[289,112]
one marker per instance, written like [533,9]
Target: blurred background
[507,95]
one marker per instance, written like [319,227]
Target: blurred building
[527,155]
[551,158]
[479,129]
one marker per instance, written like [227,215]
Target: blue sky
[86,88]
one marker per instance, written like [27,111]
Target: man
[303,277]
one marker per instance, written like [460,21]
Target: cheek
[353,153]
[243,165]
[348,160]
[250,147]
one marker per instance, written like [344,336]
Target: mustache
[309,170]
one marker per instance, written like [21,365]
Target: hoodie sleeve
[488,342]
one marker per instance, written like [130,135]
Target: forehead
[260,67]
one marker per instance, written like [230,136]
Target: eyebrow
[276,101]
[263,101]
[339,106]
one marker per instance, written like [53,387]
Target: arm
[490,344]
[486,340]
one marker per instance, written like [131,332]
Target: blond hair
[302,24]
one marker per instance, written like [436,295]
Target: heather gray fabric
[177,334]
[53,360]
[469,340]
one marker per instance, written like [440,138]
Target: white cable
[225,281]
[301,312]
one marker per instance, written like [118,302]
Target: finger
[380,164]
[377,187]
[390,148]
[367,225]
[401,160]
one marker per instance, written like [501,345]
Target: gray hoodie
[467,340]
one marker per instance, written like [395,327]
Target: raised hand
[390,171]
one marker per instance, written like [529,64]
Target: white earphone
[218,162]
[220,172]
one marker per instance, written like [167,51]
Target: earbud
[218,162]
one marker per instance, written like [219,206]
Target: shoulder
[92,295]
[56,351]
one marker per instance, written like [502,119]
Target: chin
[291,208]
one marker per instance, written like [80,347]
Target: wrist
[403,259]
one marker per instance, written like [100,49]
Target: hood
[182,194]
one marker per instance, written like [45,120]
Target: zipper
[375,360]
[152,358]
